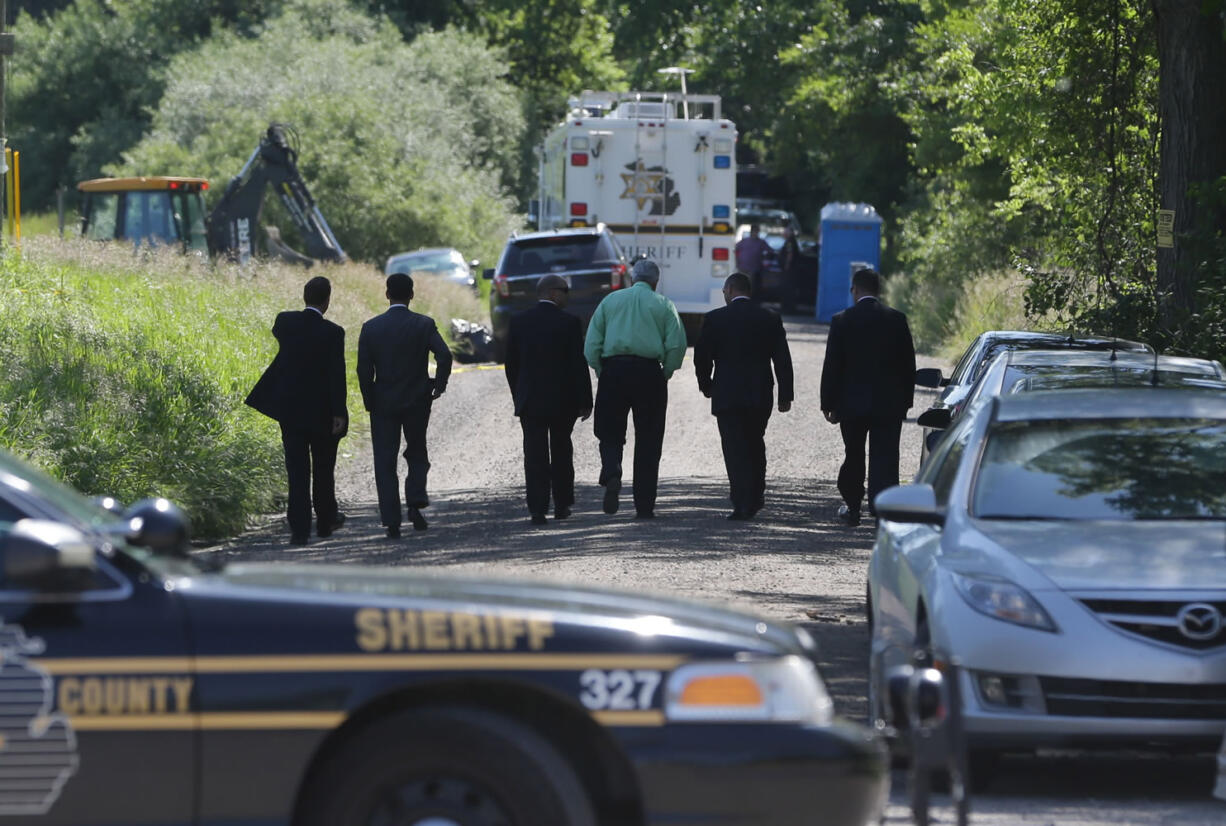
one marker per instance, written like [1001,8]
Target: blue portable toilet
[851,240]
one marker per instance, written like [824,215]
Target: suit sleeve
[581,379]
[704,364]
[366,368]
[511,362]
[336,372]
[832,368]
[906,354]
[442,358]
[781,356]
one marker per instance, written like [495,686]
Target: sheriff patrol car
[137,689]
[659,169]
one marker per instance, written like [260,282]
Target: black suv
[589,258]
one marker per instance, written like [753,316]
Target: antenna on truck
[679,70]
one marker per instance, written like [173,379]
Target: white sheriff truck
[659,170]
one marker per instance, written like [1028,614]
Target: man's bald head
[549,283]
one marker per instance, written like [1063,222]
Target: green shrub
[124,374]
[403,145]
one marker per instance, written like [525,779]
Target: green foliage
[128,385]
[125,375]
[402,145]
[84,79]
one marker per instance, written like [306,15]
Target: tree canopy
[992,135]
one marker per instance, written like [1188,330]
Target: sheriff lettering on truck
[658,169]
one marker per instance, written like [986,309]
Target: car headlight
[780,690]
[1001,599]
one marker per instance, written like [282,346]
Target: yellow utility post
[12,183]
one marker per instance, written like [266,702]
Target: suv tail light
[500,284]
[618,277]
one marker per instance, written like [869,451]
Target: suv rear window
[533,256]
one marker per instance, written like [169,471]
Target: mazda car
[1067,550]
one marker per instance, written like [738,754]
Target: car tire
[444,765]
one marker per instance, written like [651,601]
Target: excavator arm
[274,163]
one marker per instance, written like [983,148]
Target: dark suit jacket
[545,366]
[740,341]
[304,387]
[393,363]
[870,362]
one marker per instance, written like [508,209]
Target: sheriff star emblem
[642,185]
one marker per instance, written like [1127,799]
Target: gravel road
[791,563]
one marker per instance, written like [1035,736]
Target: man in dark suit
[733,357]
[551,387]
[868,384]
[393,373]
[304,390]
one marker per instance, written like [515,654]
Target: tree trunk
[1192,108]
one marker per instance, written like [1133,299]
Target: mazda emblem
[1199,621]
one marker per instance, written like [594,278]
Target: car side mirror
[488,273]
[938,418]
[160,526]
[909,504]
[929,377]
[40,554]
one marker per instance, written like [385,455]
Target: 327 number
[618,690]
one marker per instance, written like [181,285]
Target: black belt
[607,359]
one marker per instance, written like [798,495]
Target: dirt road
[791,563]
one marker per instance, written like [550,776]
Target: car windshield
[1055,378]
[1113,469]
[433,261]
[533,256]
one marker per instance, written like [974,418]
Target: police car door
[95,692]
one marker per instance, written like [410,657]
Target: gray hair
[645,270]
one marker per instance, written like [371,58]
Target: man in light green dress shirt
[635,342]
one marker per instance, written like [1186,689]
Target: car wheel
[446,767]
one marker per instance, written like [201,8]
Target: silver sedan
[1067,550]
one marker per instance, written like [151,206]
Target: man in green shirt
[635,342]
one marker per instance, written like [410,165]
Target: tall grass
[943,320]
[124,373]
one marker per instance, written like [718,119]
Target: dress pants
[385,434]
[310,462]
[548,461]
[883,433]
[742,434]
[629,384]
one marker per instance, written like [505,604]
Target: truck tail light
[500,284]
[618,277]
[578,209]
[578,159]
[719,253]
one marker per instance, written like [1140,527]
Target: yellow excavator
[170,210]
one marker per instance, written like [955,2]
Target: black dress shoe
[752,512]
[298,539]
[539,519]
[419,521]
[337,521]
[645,515]
[393,532]
[561,512]
[612,490]
[737,516]
[848,517]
